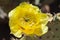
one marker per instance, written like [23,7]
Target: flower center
[26,19]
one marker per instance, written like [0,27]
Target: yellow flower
[27,19]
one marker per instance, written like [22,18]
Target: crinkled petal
[15,30]
[40,31]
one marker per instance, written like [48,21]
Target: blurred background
[46,6]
